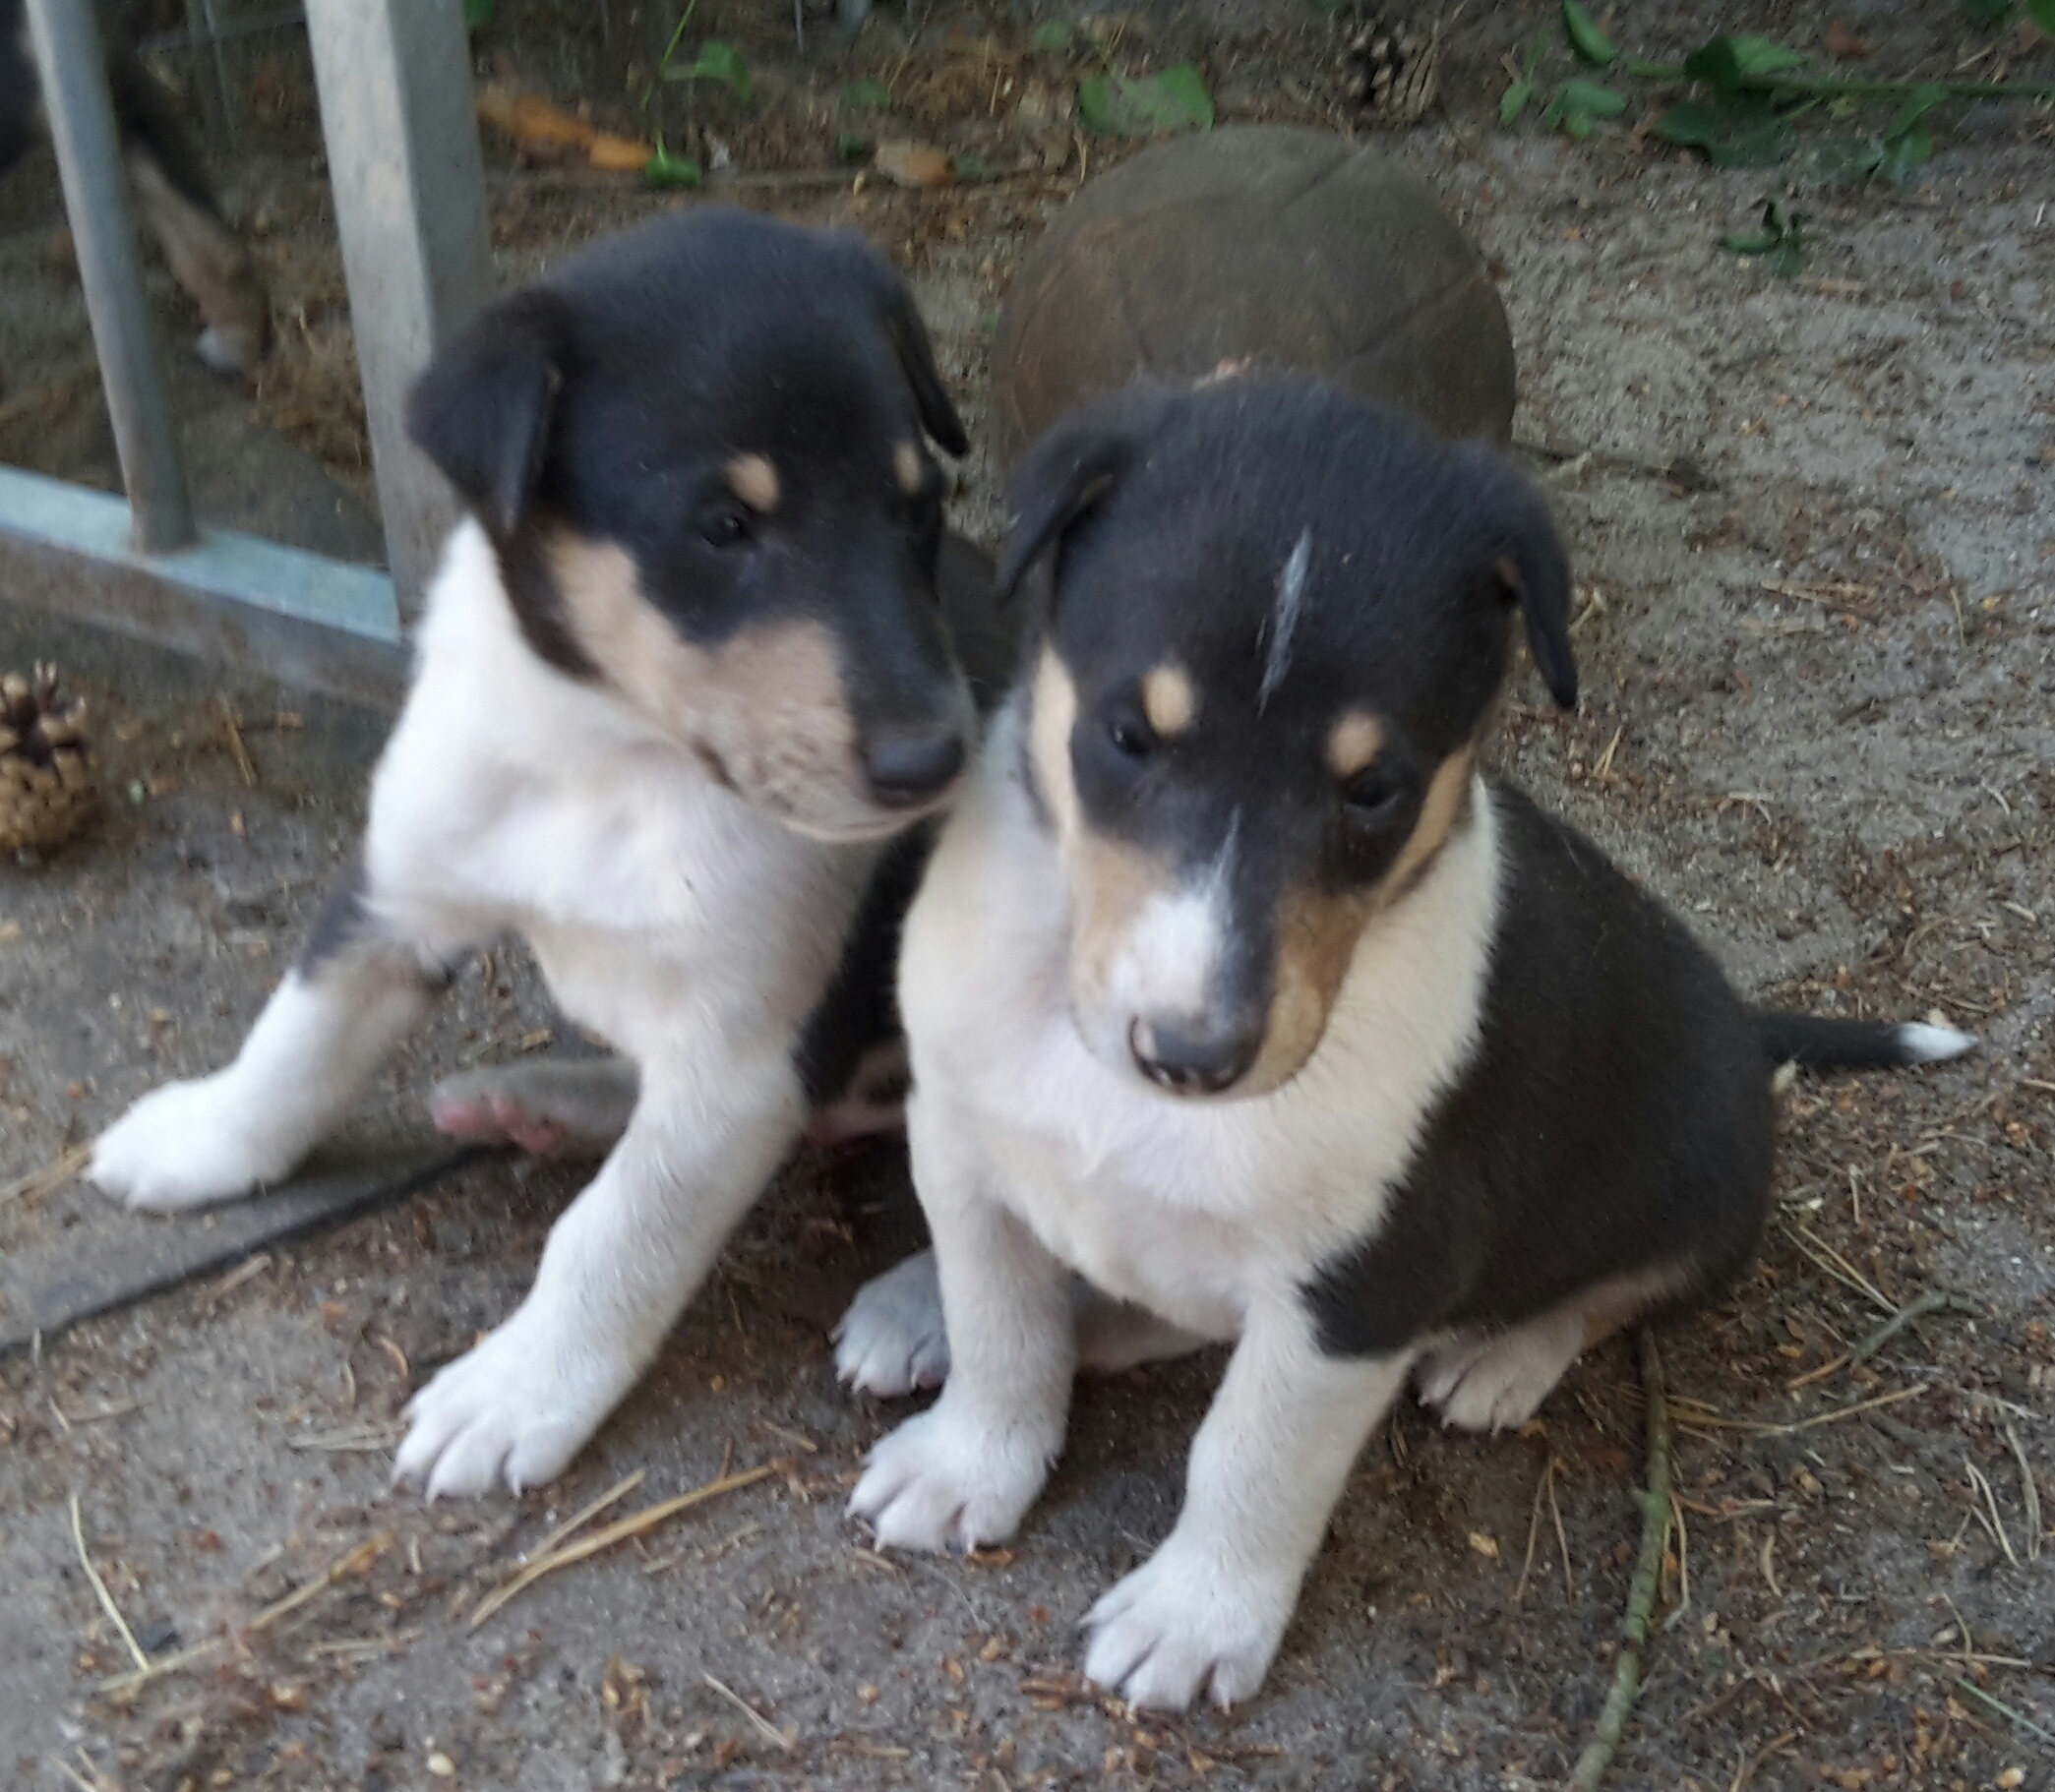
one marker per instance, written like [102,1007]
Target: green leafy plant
[1589,44]
[721,62]
[1994,13]
[478,14]
[852,148]
[1780,242]
[1055,36]
[1579,104]
[1523,90]
[867,96]
[1753,135]
[663,169]
[1146,105]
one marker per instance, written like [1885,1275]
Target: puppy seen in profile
[1236,988]
[684,674]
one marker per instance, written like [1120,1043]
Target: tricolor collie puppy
[681,675]
[1237,988]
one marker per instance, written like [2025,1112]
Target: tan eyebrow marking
[1353,743]
[1169,701]
[753,479]
[909,469]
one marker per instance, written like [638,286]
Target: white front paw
[1187,1622]
[518,1408]
[945,1480]
[187,1144]
[893,1341]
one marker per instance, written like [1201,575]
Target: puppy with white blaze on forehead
[1235,989]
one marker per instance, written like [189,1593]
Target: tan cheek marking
[1317,932]
[1448,795]
[1316,935]
[768,702]
[1048,743]
[1169,701]
[635,650]
[754,480]
[1354,741]
[909,469]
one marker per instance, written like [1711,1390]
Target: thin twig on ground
[1756,1428]
[1982,1483]
[634,1526]
[236,748]
[1932,1301]
[2029,1493]
[48,1180]
[1998,1705]
[1641,1597]
[762,1724]
[1562,1541]
[1534,1523]
[99,1587]
[348,1563]
[1746,1772]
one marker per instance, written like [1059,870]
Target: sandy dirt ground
[1814,525]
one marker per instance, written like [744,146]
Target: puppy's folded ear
[483,409]
[909,338]
[1070,471]
[1526,557]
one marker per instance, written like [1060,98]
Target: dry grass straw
[635,1525]
[1699,1415]
[762,1724]
[48,1180]
[240,754]
[351,1562]
[99,1587]
[2030,1493]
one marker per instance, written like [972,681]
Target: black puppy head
[1274,625]
[700,451]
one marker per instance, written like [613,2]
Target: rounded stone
[1252,248]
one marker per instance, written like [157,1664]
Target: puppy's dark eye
[1372,796]
[1131,739]
[725,525]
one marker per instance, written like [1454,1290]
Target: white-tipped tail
[1923,1043]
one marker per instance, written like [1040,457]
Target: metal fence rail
[410,195]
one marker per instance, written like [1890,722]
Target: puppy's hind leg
[1486,1382]
[358,986]
[892,1339]
[550,1108]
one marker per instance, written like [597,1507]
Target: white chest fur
[1195,1209]
[518,797]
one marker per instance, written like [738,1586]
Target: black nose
[910,765]
[1197,1057]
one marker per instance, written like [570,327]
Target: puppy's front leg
[1208,1609]
[362,980]
[621,1264]
[966,1470]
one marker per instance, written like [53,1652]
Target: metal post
[74,69]
[395,81]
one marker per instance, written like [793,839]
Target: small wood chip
[912,164]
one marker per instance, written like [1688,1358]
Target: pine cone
[1395,69]
[48,787]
